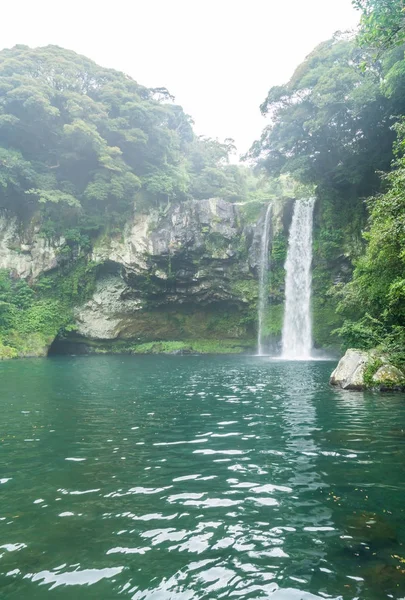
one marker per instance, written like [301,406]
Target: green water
[197,477]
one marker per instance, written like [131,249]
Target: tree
[382,23]
[330,123]
[85,145]
[374,301]
[331,126]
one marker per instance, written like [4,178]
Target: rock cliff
[182,278]
[188,261]
[23,251]
[187,273]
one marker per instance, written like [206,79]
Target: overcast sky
[217,57]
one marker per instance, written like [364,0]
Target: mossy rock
[362,369]
[387,376]
[193,346]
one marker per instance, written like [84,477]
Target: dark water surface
[197,477]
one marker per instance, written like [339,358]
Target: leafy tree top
[382,22]
[330,125]
[81,140]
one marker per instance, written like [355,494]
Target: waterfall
[297,333]
[263,277]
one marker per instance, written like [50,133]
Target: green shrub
[7,352]
[370,370]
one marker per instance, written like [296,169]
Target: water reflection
[312,518]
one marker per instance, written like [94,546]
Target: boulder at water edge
[360,369]
[349,374]
[387,376]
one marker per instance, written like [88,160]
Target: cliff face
[186,274]
[24,252]
[182,279]
[187,263]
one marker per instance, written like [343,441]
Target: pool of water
[197,478]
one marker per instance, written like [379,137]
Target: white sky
[217,57]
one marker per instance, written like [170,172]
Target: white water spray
[263,277]
[297,327]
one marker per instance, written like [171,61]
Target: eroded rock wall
[186,272]
[192,256]
[24,251]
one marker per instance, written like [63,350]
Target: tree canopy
[338,124]
[382,22]
[87,143]
[330,125]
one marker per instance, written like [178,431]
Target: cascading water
[263,277]
[297,330]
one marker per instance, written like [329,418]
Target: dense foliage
[337,124]
[331,124]
[32,315]
[383,22]
[86,144]
[81,148]
[374,301]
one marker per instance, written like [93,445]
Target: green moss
[160,348]
[325,320]
[32,344]
[273,320]
[221,346]
[247,290]
[277,271]
[370,370]
[195,346]
[215,244]
[242,247]
[251,210]
[279,249]
[376,361]
[189,323]
[72,283]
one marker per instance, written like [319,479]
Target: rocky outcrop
[388,376]
[25,252]
[184,272]
[192,256]
[349,374]
[360,369]
[104,315]
[193,251]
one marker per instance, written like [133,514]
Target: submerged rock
[371,528]
[361,369]
[385,577]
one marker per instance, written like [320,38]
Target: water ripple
[198,478]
